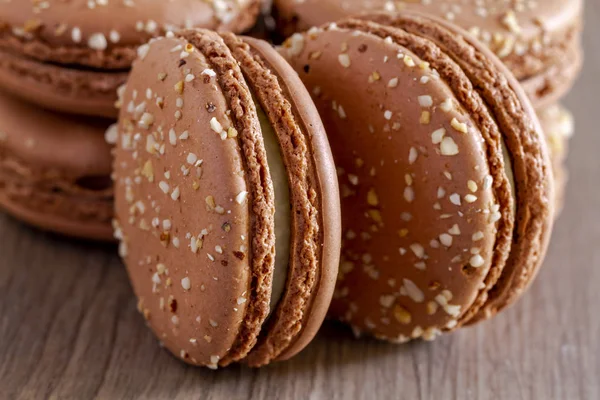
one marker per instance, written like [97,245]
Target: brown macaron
[73,55]
[444,174]
[559,126]
[55,170]
[539,41]
[226,200]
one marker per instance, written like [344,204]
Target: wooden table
[69,328]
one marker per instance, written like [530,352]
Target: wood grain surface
[69,328]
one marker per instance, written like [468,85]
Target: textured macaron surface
[190,222]
[529,36]
[428,205]
[105,34]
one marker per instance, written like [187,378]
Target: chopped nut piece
[448,147]
[179,87]
[344,60]
[372,198]
[402,315]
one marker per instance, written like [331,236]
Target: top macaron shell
[529,36]
[426,202]
[105,34]
[201,239]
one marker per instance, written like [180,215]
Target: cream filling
[283,213]
[508,170]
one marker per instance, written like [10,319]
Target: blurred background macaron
[227,204]
[55,170]
[445,177]
[72,56]
[559,126]
[265,26]
[539,41]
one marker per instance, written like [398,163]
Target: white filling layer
[508,170]
[283,218]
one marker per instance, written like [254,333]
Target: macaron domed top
[182,202]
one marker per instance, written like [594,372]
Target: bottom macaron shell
[57,200]
[60,88]
[409,289]
[315,200]
[87,218]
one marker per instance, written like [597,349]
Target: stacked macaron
[539,41]
[69,58]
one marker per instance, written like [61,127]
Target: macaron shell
[528,36]
[528,151]
[85,219]
[551,85]
[252,142]
[532,168]
[314,196]
[75,91]
[71,32]
[204,277]
[54,170]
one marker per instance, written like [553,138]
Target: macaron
[445,178]
[265,27]
[55,170]
[559,126]
[539,41]
[227,204]
[72,56]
